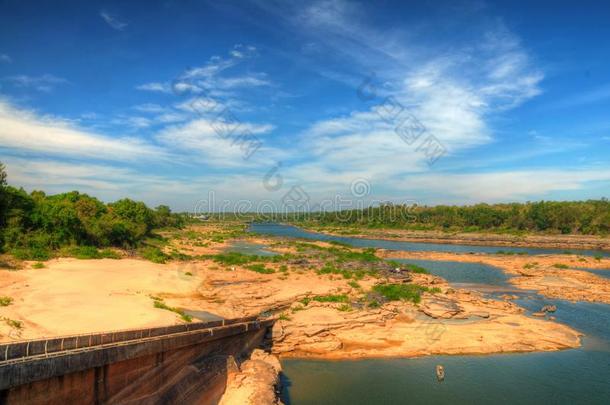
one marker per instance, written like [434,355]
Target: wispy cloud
[29,132]
[155,87]
[201,140]
[45,83]
[4,58]
[113,21]
[501,186]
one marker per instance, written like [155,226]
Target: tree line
[591,217]
[33,224]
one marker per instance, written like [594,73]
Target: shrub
[260,268]
[5,301]
[154,254]
[38,265]
[408,292]
[31,253]
[331,298]
[561,266]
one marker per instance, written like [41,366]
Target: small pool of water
[462,273]
[249,248]
[295,232]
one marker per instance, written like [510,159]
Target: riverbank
[552,276]
[72,296]
[585,242]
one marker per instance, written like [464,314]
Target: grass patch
[234,258]
[284,317]
[260,268]
[88,253]
[38,265]
[407,292]
[305,301]
[158,303]
[32,253]
[598,257]
[13,323]
[561,266]
[5,301]
[530,265]
[153,254]
[354,284]
[331,298]
[413,268]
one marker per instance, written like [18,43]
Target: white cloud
[516,185]
[149,108]
[209,142]
[26,131]
[113,21]
[155,87]
[44,83]
[5,58]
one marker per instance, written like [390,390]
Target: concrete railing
[12,352]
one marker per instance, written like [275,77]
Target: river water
[577,376]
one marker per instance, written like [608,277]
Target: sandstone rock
[549,308]
[539,314]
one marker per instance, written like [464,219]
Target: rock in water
[440,372]
[549,308]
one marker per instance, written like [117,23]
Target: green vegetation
[38,265]
[260,268]
[561,266]
[154,254]
[408,292]
[413,268]
[591,217]
[284,317]
[13,323]
[345,307]
[354,284]
[158,303]
[530,265]
[5,301]
[331,298]
[598,257]
[88,252]
[35,226]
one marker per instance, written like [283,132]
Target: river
[578,376]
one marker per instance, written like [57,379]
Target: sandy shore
[591,242]
[79,296]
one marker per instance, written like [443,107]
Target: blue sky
[259,101]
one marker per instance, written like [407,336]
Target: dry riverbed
[324,296]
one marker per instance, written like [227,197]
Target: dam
[185,364]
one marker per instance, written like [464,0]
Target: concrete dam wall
[181,364]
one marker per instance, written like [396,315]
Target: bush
[561,266]
[331,298]
[260,268]
[5,301]
[154,254]
[408,292]
[32,253]
[38,265]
